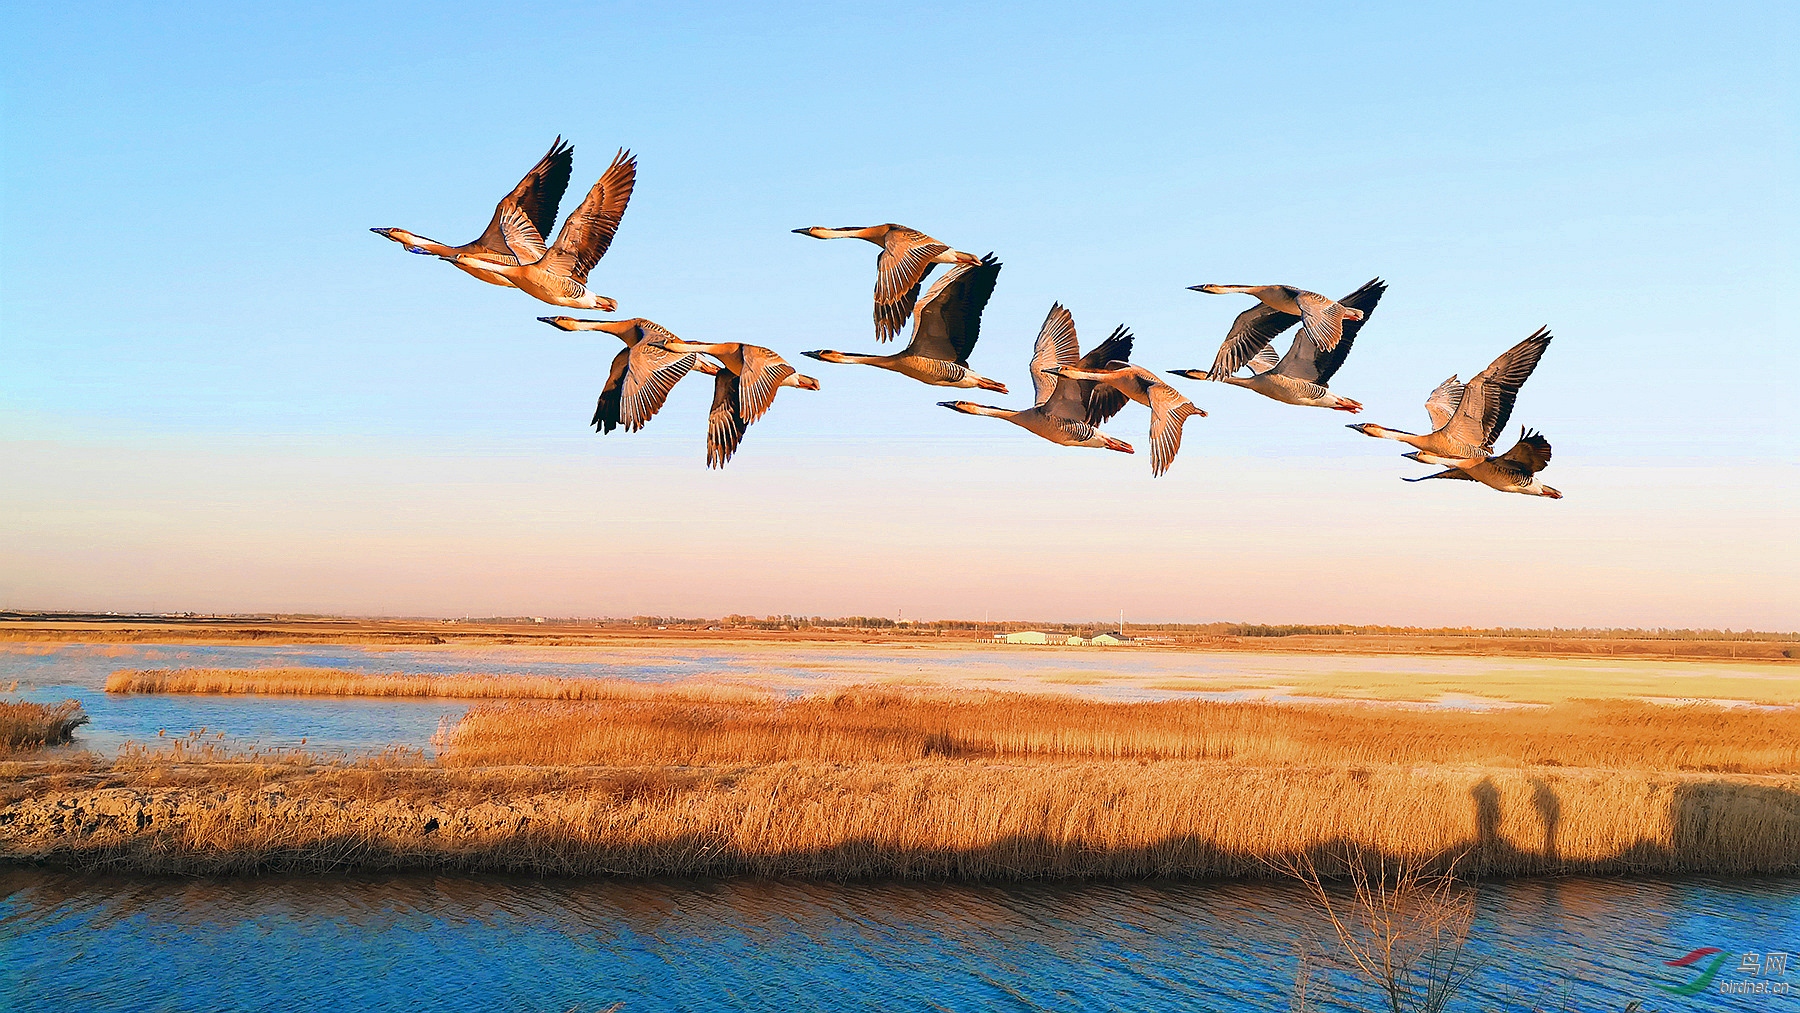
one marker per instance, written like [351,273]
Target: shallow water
[49,672]
[420,942]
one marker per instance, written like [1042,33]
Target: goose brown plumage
[558,274]
[945,329]
[743,391]
[1514,471]
[1066,410]
[536,197]
[642,374]
[1470,417]
[906,257]
[1301,376]
[1169,409]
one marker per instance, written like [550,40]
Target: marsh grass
[948,786]
[26,726]
[864,726]
[337,682]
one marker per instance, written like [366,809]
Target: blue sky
[221,392]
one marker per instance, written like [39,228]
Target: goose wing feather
[904,261]
[763,372]
[1306,360]
[588,231]
[1101,401]
[1487,403]
[537,196]
[1056,346]
[1250,333]
[1442,403]
[948,322]
[725,426]
[649,376]
[606,412]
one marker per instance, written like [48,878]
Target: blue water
[417,942]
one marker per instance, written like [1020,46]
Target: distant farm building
[1108,640]
[1074,641]
[1027,637]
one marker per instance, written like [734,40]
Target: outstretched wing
[649,376]
[1056,346]
[1321,319]
[522,238]
[1169,411]
[1446,473]
[763,373]
[1305,360]
[948,322]
[1487,403]
[606,412]
[1532,452]
[1250,333]
[1264,360]
[1103,400]
[590,228]
[1441,405]
[536,197]
[905,258]
[724,425]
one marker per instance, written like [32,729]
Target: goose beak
[382,232]
[819,355]
[1188,374]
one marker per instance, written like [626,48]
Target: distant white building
[1027,637]
[1108,640]
[1074,641]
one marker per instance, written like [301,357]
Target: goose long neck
[828,355]
[990,411]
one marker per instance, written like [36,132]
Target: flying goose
[642,373]
[944,332]
[743,390]
[1320,317]
[1514,471]
[1169,410]
[536,197]
[905,259]
[1300,376]
[1469,417]
[558,274]
[1066,409]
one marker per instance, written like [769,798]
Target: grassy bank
[941,785]
[935,818]
[27,726]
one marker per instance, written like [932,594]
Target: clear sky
[219,391]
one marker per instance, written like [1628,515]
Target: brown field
[1779,648]
[974,786]
[27,726]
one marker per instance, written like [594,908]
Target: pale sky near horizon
[220,392]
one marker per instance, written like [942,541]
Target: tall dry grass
[337,682]
[927,819]
[25,726]
[880,727]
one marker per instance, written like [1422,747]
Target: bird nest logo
[1753,974]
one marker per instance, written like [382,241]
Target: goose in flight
[536,197]
[1470,417]
[1514,471]
[642,373]
[1320,318]
[944,332]
[906,258]
[1300,376]
[558,274]
[1066,410]
[1169,410]
[743,390]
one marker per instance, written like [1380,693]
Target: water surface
[421,942]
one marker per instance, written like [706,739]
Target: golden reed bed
[974,786]
[336,682]
[26,726]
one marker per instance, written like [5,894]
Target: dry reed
[25,726]
[336,682]
[927,819]
[867,726]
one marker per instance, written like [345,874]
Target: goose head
[412,243]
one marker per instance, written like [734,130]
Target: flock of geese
[1073,393]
